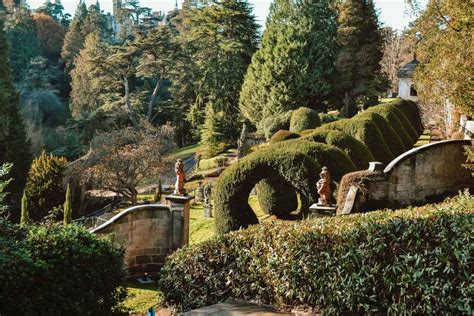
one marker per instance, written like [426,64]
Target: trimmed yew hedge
[232,210]
[304,118]
[272,193]
[390,136]
[276,197]
[356,150]
[282,135]
[414,261]
[366,131]
[388,112]
[275,123]
[411,111]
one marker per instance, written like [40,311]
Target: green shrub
[390,115]
[328,118]
[391,137]
[366,131]
[275,123]
[56,270]
[405,122]
[414,261]
[304,118]
[45,188]
[276,197]
[233,187]
[411,111]
[282,135]
[356,150]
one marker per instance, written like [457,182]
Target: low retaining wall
[148,233]
[422,175]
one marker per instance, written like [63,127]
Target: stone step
[235,308]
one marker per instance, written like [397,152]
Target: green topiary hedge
[406,123]
[233,187]
[391,137]
[56,270]
[411,111]
[390,115]
[275,123]
[304,118]
[415,261]
[277,198]
[356,150]
[366,131]
[282,135]
[271,199]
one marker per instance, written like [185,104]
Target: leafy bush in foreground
[415,261]
[55,270]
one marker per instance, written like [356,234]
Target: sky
[392,12]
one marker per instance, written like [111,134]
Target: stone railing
[148,233]
[422,175]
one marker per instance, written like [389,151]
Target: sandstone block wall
[147,233]
[422,175]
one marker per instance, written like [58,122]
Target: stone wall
[148,233]
[422,175]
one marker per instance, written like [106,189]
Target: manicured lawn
[424,139]
[141,297]
[186,151]
[212,162]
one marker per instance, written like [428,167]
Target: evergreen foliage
[355,149]
[158,192]
[233,187]
[74,38]
[67,207]
[272,200]
[304,118]
[361,50]
[57,270]
[25,215]
[220,39]
[45,187]
[294,62]
[408,261]
[273,124]
[14,147]
[4,171]
[212,135]
[282,135]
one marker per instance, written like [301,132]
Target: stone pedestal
[179,219]
[317,210]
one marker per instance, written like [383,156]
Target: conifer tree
[25,217]
[67,207]
[14,147]
[213,139]
[295,60]
[220,39]
[45,189]
[361,50]
[74,38]
[85,96]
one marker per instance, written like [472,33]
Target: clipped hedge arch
[390,115]
[411,111]
[355,149]
[304,118]
[389,135]
[272,193]
[232,210]
[405,122]
[271,197]
[282,135]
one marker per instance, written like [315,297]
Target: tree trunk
[131,113]
[152,101]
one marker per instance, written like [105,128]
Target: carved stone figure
[180,177]
[324,187]
[208,201]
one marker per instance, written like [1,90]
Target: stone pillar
[180,205]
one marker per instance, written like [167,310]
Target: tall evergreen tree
[221,39]
[24,42]
[67,207]
[25,216]
[74,39]
[295,60]
[361,50]
[14,147]
[85,96]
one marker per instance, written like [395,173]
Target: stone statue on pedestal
[324,187]
[208,200]
[180,178]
